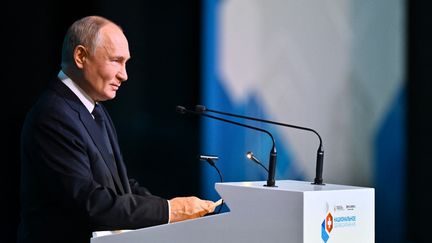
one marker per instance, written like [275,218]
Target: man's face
[105,69]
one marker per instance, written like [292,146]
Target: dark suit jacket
[69,184]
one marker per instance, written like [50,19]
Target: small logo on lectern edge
[327,227]
[343,216]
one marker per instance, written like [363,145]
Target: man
[73,179]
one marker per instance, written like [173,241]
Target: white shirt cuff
[169,211]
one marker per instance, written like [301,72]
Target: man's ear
[80,55]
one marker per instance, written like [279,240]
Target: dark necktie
[99,117]
[100,121]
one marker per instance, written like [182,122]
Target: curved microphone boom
[320,152]
[273,154]
[210,160]
[252,157]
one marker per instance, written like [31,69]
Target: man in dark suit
[73,179]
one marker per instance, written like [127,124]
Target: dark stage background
[159,146]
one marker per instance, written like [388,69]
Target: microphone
[320,152]
[210,159]
[273,154]
[252,157]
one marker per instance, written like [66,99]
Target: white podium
[294,211]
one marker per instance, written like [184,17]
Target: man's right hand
[183,208]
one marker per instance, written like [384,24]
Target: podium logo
[326,227]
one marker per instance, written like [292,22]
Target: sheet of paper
[218,202]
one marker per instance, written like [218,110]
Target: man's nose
[122,75]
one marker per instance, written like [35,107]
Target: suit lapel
[91,127]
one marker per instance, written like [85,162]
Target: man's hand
[183,208]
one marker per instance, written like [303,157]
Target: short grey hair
[84,32]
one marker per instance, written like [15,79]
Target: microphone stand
[210,161]
[320,152]
[273,153]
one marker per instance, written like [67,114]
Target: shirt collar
[82,95]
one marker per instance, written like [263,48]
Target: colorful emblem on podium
[327,227]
